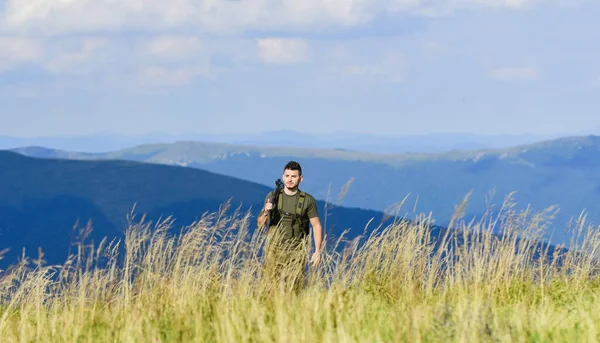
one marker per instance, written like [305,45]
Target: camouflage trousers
[285,263]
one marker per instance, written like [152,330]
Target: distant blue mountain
[438,142]
[562,172]
[44,202]
[426,143]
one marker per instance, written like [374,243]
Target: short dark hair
[293,165]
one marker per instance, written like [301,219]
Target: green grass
[395,287]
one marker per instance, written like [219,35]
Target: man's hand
[262,218]
[268,206]
[316,258]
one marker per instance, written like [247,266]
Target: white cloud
[64,61]
[202,19]
[57,56]
[68,16]
[436,8]
[173,76]
[514,4]
[283,50]
[16,50]
[169,46]
[389,69]
[515,73]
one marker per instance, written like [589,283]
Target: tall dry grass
[403,282]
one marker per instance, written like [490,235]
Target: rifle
[274,198]
[275,195]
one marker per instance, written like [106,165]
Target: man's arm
[262,219]
[263,216]
[313,215]
[317,233]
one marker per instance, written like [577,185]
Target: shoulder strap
[300,205]
[279,200]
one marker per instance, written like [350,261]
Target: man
[289,220]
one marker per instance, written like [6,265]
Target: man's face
[291,178]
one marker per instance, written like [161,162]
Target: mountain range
[435,142]
[564,172]
[45,201]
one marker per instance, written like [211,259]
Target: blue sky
[378,66]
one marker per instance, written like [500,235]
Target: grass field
[208,284]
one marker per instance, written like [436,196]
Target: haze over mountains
[563,172]
[439,142]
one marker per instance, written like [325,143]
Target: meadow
[398,283]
